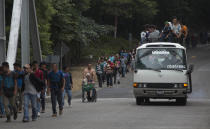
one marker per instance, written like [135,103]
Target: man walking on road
[91,71]
[109,73]
[39,74]
[68,85]
[9,88]
[99,73]
[123,65]
[30,95]
[2,112]
[43,68]
[20,75]
[56,84]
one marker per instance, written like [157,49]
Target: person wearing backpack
[56,84]
[39,74]
[31,86]
[9,88]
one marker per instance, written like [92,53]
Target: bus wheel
[181,101]
[139,101]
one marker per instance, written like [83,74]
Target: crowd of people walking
[27,87]
[110,69]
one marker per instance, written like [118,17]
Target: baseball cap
[26,66]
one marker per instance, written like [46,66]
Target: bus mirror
[191,68]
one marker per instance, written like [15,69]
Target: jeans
[41,101]
[56,95]
[69,94]
[38,101]
[103,77]
[109,79]
[115,77]
[42,97]
[2,112]
[27,98]
[20,99]
[9,104]
[123,71]
[99,76]
[164,39]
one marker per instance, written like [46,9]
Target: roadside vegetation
[102,27]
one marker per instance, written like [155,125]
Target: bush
[106,46]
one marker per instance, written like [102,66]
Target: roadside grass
[77,72]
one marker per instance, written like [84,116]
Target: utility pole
[2,32]
[35,39]
[14,33]
[25,33]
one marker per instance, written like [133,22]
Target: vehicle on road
[161,72]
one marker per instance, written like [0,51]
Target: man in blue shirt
[2,112]
[56,84]
[9,91]
[20,76]
[68,85]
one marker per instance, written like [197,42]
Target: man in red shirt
[109,73]
[39,74]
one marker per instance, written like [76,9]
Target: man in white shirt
[176,28]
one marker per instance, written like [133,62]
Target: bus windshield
[161,58]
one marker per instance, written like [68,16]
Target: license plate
[160,92]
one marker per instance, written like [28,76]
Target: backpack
[36,82]
[9,91]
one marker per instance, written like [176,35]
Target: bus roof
[161,45]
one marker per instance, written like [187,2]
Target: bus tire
[139,101]
[181,101]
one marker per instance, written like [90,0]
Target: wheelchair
[86,93]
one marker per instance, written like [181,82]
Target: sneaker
[38,114]
[54,115]
[43,111]
[15,115]
[33,119]
[20,111]
[8,119]
[60,112]
[25,120]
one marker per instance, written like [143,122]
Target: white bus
[161,72]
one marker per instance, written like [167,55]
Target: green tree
[45,11]
[127,8]
[69,26]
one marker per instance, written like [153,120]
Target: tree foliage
[79,23]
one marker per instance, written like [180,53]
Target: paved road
[116,107]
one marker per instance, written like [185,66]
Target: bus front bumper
[160,93]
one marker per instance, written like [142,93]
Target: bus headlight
[185,85]
[135,85]
[144,85]
[139,85]
[180,85]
